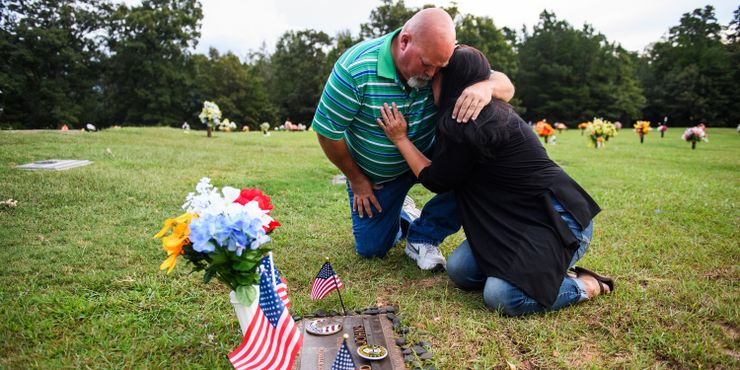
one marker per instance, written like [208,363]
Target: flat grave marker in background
[55,164]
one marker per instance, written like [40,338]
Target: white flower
[230,194]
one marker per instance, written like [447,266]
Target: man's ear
[404,41]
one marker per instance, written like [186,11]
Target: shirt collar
[386,68]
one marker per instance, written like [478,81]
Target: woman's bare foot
[593,286]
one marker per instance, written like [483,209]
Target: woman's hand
[393,123]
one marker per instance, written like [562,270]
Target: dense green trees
[78,61]
[573,75]
[49,61]
[147,76]
[237,88]
[693,75]
[299,71]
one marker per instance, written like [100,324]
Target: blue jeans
[375,236]
[499,294]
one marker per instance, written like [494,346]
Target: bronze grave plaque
[319,351]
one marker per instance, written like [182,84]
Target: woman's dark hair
[466,67]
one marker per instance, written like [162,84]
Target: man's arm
[337,108]
[364,197]
[475,97]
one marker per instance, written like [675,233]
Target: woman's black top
[503,180]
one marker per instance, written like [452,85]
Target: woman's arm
[395,129]
[452,165]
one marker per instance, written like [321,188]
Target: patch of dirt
[730,330]
[383,295]
[586,356]
[430,281]
[731,273]
[731,353]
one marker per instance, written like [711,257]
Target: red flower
[248,195]
[273,224]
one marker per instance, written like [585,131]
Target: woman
[527,222]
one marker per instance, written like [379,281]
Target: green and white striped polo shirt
[362,80]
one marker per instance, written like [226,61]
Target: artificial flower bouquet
[227,125]
[641,129]
[582,126]
[210,116]
[694,135]
[599,131]
[544,130]
[223,234]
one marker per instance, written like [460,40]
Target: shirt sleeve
[338,106]
[452,164]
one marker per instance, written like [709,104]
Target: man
[395,68]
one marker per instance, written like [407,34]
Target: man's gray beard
[417,82]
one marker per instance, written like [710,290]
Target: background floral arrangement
[642,127]
[582,126]
[694,135]
[222,233]
[227,125]
[544,130]
[560,126]
[210,115]
[599,131]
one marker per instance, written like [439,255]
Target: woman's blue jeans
[499,294]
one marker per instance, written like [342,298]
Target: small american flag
[344,359]
[281,285]
[272,339]
[326,281]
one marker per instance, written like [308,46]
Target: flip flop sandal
[601,279]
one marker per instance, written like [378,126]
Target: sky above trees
[241,26]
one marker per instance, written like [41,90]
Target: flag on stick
[326,281]
[281,285]
[272,339]
[344,358]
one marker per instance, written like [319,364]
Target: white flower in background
[210,115]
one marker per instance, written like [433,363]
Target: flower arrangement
[265,127]
[617,125]
[544,130]
[599,131]
[695,134]
[662,129]
[221,233]
[560,127]
[226,125]
[582,126]
[642,128]
[210,115]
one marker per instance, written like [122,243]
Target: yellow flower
[174,242]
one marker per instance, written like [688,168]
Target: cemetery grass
[80,286]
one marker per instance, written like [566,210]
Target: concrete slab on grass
[55,164]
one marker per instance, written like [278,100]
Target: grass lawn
[81,288]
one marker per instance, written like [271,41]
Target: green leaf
[246,294]
[246,265]
[248,279]
[210,272]
[218,257]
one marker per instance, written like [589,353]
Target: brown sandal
[600,279]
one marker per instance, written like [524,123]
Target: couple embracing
[412,107]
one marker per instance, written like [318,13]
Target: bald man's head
[424,45]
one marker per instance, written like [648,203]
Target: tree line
[99,61]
